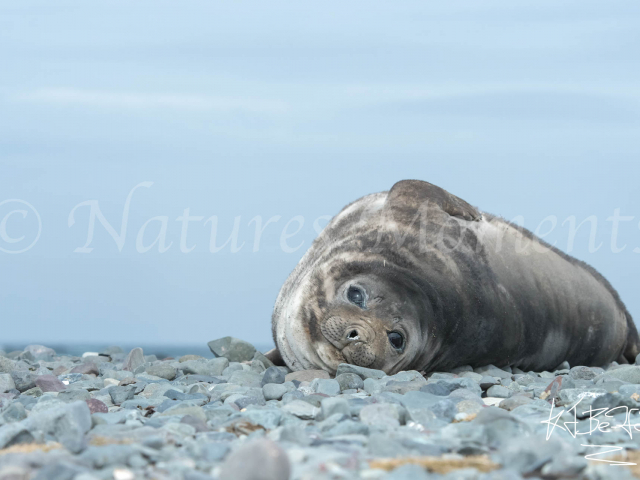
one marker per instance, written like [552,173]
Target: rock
[6,382]
[257,460]
[629,374]
[301,409]
[7,365]
[486,382]
[182,409]
[49,383]
[33,392]
[133,360]
[68,423]
[435,389]
[212,368]
[162,370]
[88,368]
[325,386]
[273,375]
[514,402]
[305,375]
[499,391]
[15,412]
[234,349]
[96,406]
[73,395]
[456,383]
[582,373]
[14,434]
[275,391]
[331,406]
[362,372]
[246,379]
[384,415]
[492,371]
[121,394]
[349,381]
[40,352]
[262,359]
[23,379]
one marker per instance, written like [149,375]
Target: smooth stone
[212,368]
[349,381]
[264,360]
[49,383]
[514,402]
[6,382]
[305,375]
[582,373]
[96,406]
[246,379]
[275,391]
[40,352]
[182,409]
[14,413]
[163,370]
[234,349]
[133,360]
[273,375]
[301,409]
[325,386]
[7,365]
[499,391]
[383,415]
[120,395]
[68,423]
[88,368]
[73,395]
[332,405]
[23,379]
[629,374]
[362,372]
[492,371]
[256,460]
[15,434]
[456,383]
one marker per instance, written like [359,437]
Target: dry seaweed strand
[440,465]
[30,448]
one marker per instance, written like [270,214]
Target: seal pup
[417,278]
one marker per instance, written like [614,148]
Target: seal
[416,278]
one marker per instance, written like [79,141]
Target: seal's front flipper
[274,356]
[418,194]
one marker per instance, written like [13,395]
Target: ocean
[160,351]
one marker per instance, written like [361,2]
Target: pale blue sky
[245,109]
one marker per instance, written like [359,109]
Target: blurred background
[286,111]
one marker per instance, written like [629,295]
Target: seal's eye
[356,296]
[397,340]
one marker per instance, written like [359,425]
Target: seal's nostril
[353,335]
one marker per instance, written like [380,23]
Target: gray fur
[462,286]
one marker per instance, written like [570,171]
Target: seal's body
[416,278]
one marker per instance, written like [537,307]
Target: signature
[599,421]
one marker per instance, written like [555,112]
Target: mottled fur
[464,288]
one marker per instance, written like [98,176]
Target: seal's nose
[353,335]
[340,332]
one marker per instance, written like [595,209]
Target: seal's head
[372,322]
[375,318]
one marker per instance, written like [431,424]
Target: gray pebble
[234,349]
[273,375]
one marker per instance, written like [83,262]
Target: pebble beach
[124,415]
